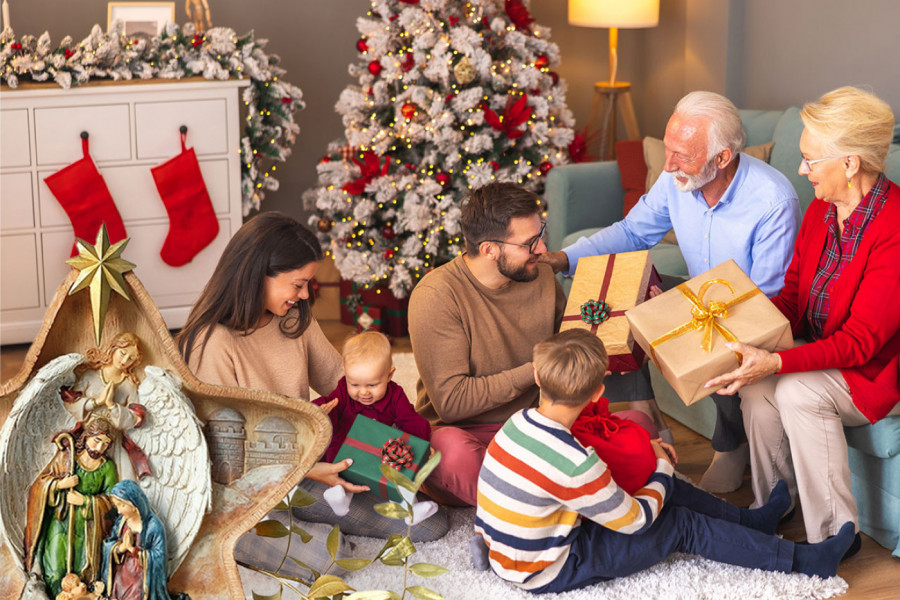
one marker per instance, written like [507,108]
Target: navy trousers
[692,522]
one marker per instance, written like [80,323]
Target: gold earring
[849,184]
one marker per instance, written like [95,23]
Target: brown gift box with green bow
[621,281]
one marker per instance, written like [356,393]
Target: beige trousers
[794,424]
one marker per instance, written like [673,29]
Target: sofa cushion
[632,171]
[786,154]
[881,439]
[760,125]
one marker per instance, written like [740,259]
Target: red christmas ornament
[408,62]
[388,233]
[393,18]
[409,1]
[454,21]
[68,53]
[409,110]
[325,159]
[361,45]
[545,167]
[410,166]
[375,68]
[370,91]
[486,22]
[542,61]
[443,179]
[554,76]
[196,40]
[495,165]
[287,100]
[16,46]
[388,254]
[535,92]
[449,97]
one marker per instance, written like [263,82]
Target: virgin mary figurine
[134,554]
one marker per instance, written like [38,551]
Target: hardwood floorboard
[873,574]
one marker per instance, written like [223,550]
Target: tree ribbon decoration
[396,454]
[369,168]
[595,312]
[704,316]
[516,113]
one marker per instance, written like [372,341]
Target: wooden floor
[873,574]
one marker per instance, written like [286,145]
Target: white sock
[421,511]
[338,499]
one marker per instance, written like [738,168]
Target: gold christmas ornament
[324,225]
[464,71]
[101,268]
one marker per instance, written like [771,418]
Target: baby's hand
[329,406]
[664,451]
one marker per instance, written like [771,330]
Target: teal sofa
[582,198]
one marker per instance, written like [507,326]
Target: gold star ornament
[101,268]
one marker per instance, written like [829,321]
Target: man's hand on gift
[327,473]
[558,260]
[756,365]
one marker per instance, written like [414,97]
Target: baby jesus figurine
[73,588]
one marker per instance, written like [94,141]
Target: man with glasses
[722,204]
[473,323]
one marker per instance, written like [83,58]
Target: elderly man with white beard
[722,204]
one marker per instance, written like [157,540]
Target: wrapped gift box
[368,318]
[368,441]
[621,281]
[394,311]
[327,306]
[684,330]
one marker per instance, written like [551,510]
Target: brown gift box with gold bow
[684,330]
[620,281]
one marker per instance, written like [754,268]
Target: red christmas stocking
[192,220]
[83,194]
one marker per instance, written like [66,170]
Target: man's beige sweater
[473,345]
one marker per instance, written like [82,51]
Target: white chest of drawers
[132,127]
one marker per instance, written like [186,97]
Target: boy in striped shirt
[554,519]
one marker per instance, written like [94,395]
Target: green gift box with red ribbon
[371,444]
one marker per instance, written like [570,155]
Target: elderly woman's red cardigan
[862,331]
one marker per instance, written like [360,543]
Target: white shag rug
[680,577]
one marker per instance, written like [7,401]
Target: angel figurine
[107,385]
[170,434]
[67,506]
[134,554]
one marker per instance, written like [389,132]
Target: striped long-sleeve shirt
[536,484]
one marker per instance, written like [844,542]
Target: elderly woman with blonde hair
[843,371]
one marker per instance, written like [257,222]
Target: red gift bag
[622,444]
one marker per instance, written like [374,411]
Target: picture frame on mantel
[141,18]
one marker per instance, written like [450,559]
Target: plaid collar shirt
[839,250]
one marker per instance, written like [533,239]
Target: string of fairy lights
[270,129]
[403,131]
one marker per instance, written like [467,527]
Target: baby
[367,389]
[75,589]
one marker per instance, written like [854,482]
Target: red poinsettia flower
[516,113]
[519,15]
[578,148]
[369,168]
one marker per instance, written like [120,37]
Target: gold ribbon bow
[704,316]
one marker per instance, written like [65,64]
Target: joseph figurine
[69,507]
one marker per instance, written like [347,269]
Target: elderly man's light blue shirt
[754,223]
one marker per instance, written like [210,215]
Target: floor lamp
[609,95]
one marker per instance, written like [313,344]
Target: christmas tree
[452,95]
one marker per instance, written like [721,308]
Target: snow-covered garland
[451,95]
[270,130]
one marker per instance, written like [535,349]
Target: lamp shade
[628,14]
